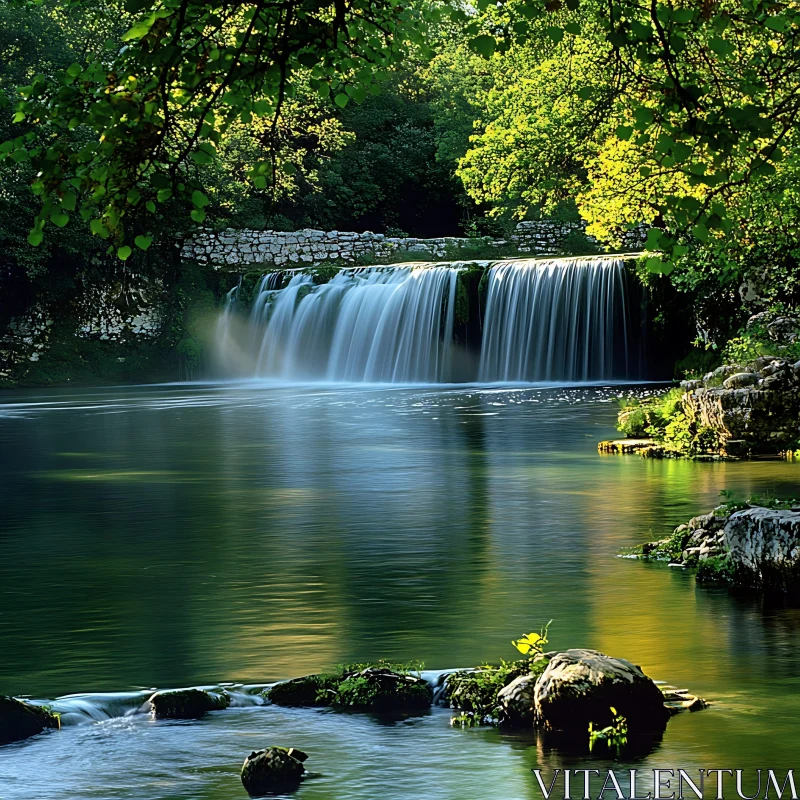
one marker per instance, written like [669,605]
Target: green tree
[156,109]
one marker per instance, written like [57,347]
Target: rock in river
[187,703]
[382,690]
[581,686]
[310,690]
[516,701]
[20,720]
[273,769]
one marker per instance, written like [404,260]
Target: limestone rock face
[581,686]
[272,770]
[750,419]
[764,545]
[20,720]
[517,701]
[186,703]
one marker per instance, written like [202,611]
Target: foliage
[718,569]
[475,692]
[369,690]
[156,110]
[754,341]
[664,419]
[532,644]
[615,736]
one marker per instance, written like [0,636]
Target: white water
[555,320]
[376,325]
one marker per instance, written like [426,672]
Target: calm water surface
[173,536]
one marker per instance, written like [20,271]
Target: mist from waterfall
[376,325]
[556,320]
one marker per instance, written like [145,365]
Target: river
[181,535]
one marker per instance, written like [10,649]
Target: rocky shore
[745,545]
[736,411]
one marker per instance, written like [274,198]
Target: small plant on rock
[475,692]
[615,735]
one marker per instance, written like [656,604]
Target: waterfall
[543,320]
[556,320]
[378,325]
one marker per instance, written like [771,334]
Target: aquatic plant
[614,735]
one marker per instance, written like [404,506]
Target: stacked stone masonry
[232,249]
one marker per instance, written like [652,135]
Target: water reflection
[186,535]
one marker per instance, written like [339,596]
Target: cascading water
[556,320]
[378,325]
[562,319]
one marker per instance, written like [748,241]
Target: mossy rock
[20,720]
[187,703]
[272,770]
[382,690]
[310,690]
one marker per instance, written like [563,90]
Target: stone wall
[232,249]
[115,311]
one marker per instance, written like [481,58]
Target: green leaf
[484,45]
[654,239]
[341,99]
[721,47]
[573,28]
[199,199]
[98,229]
[35,237]
[74,70]
[68,201]
[18,117]
[777,23]
[200,157]
[59,219]
[123,254]
[143,242]
[260,182]
[556,34]
[624,132]
[198,214]
[150,206]
[163,195]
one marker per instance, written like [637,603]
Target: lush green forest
[126,125]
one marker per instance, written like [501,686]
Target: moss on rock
[382,690]
[272,770]
[310,690]
[20,720]
[187,703]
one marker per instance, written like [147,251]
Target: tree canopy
[677,115]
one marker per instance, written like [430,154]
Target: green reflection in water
[248,534]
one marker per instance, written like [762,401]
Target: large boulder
[272,770]
[383,690]
[310,690]
[187,703]
[581,686]
[764,546]
[516,702]
[20,720]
